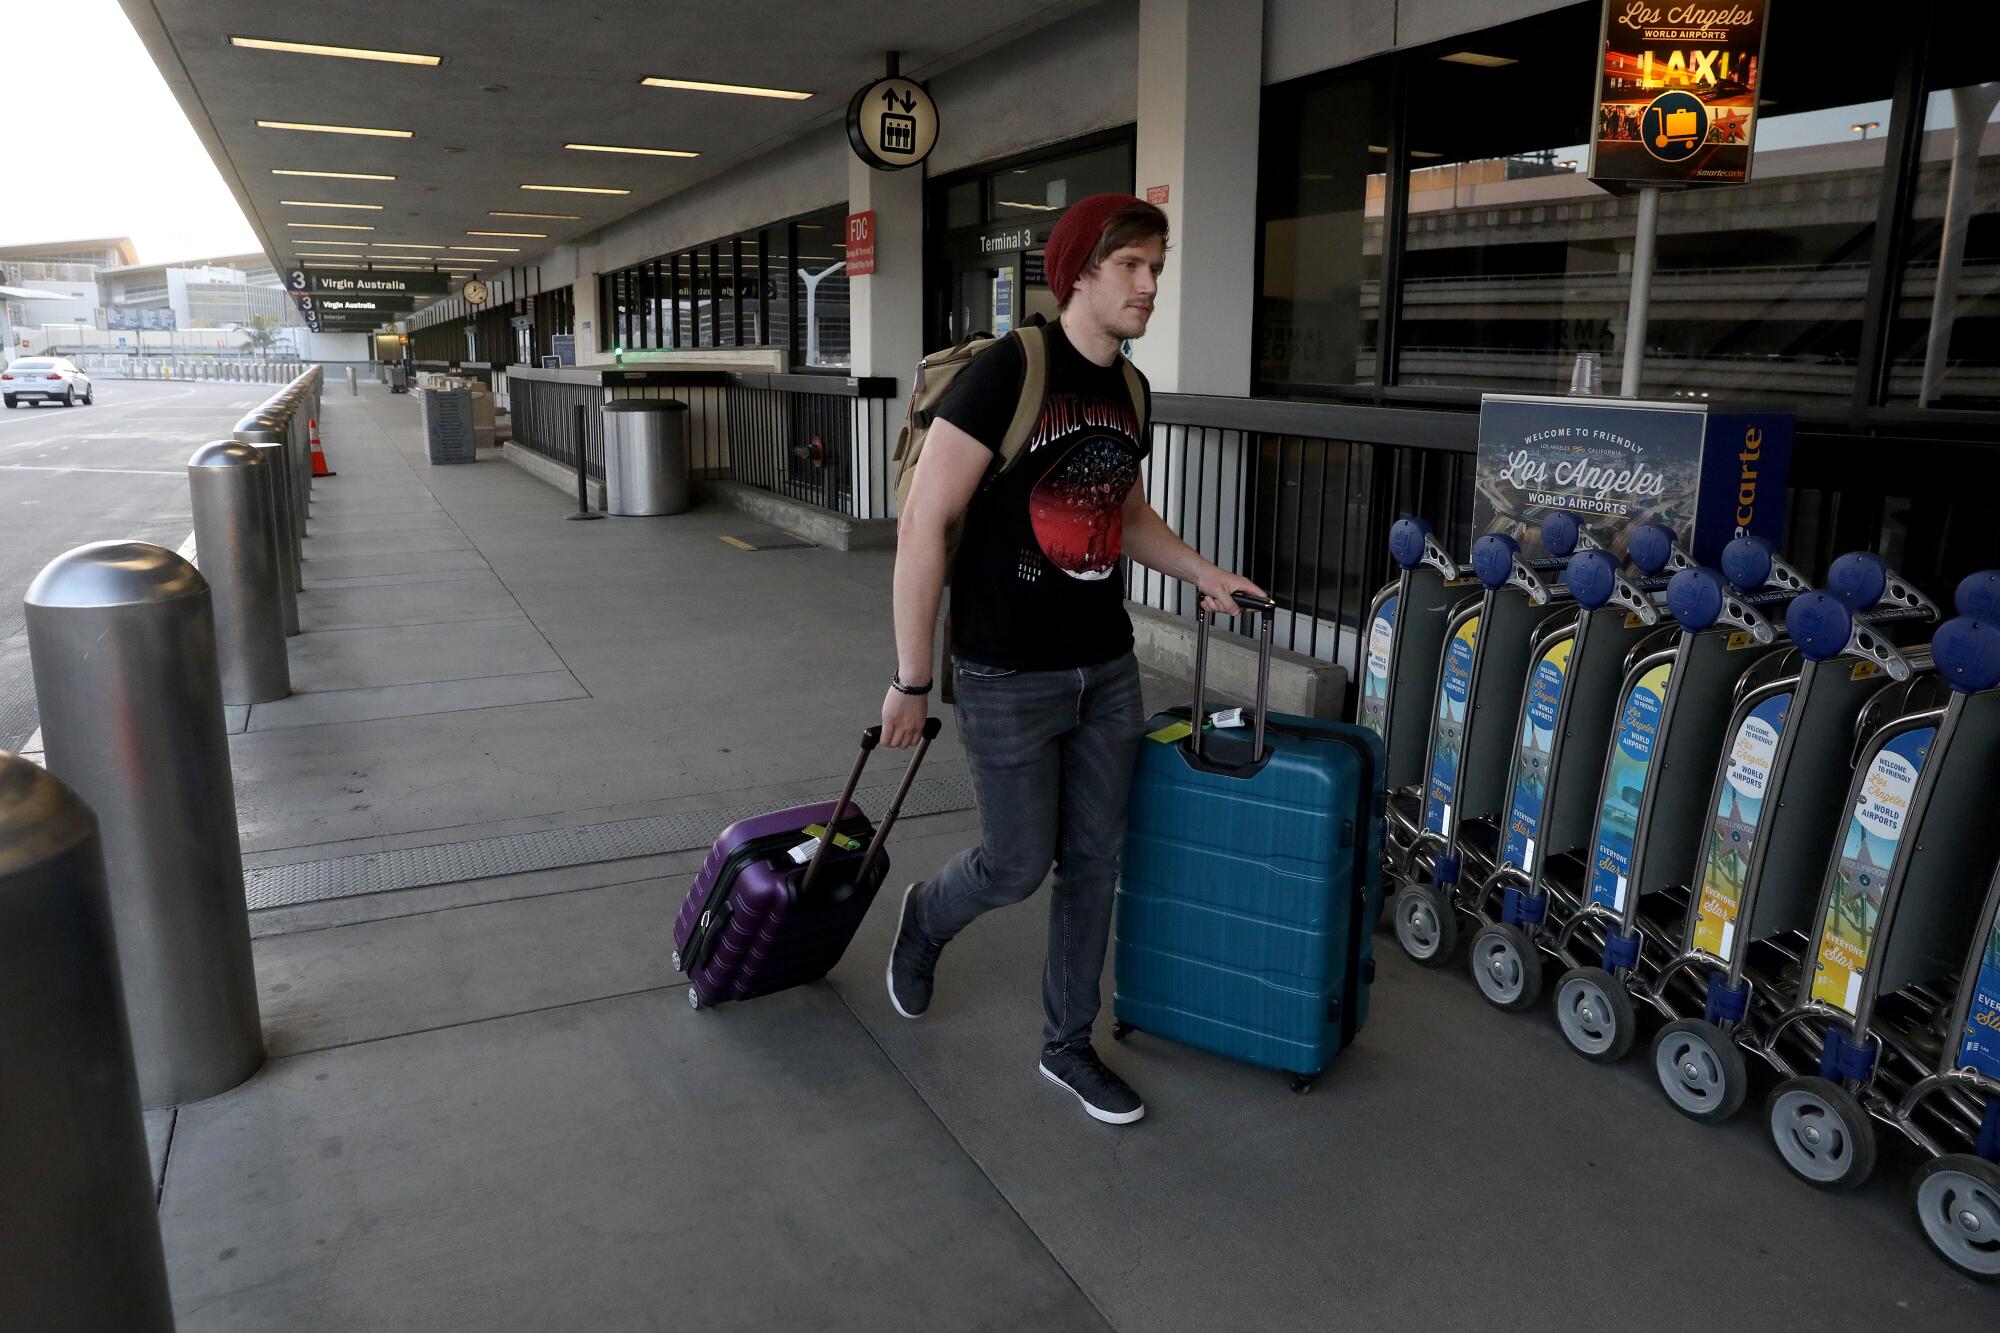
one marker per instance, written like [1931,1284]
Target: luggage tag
[1221,720]
[804,851]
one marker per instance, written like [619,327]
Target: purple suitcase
[756,921]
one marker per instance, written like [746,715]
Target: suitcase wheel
[1120,1031]
[1301,1083]
[694,998]
[677,961]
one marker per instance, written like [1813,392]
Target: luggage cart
[1774,811]
[1562,728]
[1488,650]
[1674,706]
[1406,632]
[1900,899]
[1956,1194]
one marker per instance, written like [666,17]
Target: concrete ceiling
[518,81]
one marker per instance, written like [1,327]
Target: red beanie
[1076,236]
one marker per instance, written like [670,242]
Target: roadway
[73,475]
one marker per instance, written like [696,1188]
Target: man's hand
[903,719]
[1218,588]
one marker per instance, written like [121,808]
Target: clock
[475,292]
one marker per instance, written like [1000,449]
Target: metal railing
[820,439]
[1300,497]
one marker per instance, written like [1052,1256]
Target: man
[1047,690]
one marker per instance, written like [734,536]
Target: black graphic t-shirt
[1035,586]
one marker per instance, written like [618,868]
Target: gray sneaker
[1105,1095]
[912,961]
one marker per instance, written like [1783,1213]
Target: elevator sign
[1677,92]
[892,124]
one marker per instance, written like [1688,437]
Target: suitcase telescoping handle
[870,738]
[932,726]
[1266,609]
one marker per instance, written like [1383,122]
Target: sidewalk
[489,1106]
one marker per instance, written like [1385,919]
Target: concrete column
[886,314]
[1201,71]
[584,294]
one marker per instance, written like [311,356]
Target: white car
[45,379]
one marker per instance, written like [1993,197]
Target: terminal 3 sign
[362,282]
[1677,93]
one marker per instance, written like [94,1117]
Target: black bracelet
[896,684]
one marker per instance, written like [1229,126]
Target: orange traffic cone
[320,469]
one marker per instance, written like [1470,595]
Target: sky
[143,173]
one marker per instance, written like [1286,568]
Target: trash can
[645,457]
[447,418]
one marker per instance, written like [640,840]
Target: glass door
[986,296]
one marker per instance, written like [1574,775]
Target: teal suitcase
[1251,875]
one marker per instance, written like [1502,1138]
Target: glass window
[1028,192]
[1945,341]
[1322,243]
[965,204]
[822,276]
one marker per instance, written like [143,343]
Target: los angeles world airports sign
[1677,93]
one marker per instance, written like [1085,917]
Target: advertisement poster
[1625,787]
[1854,907]
[1677,93]
[1531,760]
[1613,467]
[1733,830]
[1375,672]
[1453,692]
[1710,477]
[1981,1050]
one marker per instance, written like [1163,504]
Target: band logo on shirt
[1066,413]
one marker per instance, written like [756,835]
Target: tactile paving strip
[550,849]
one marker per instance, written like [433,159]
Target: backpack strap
[1034,388]
[1136,386]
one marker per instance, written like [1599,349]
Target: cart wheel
[1957,1198]
[1595,1013]
[1821,1132]
[1426,925]
[1120,1031]
[677,961]
[1701,1070]
[1507,966]
[1301,1083]
[694,998]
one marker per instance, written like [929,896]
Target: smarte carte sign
[1677,93]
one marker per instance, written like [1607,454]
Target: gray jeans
[1051,754]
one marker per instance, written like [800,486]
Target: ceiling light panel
[321,203]
[341,52]
[575,189]
[328,226]
[333,175]
[490,249]
[1476,58]
[550,217]
[525,235]
[696,86]
[613,148]
[334,129]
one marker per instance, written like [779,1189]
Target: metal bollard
[273,480]
[121,636]
[267,433]
[73,1167]
[352,388]
[235,540]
